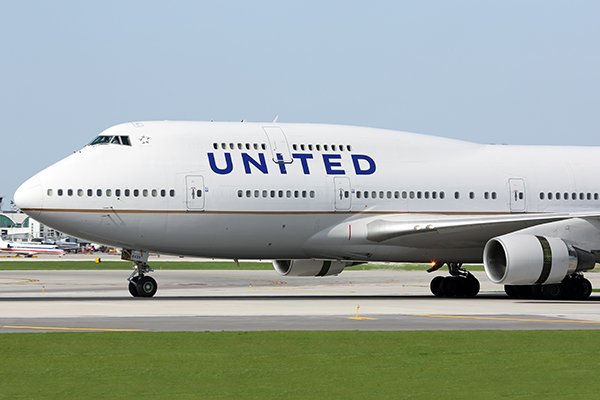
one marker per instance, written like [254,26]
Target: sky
[515,72]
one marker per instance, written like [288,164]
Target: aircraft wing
[466,231]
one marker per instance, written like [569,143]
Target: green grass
[207,265]
[301,365]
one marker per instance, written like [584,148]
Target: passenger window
[154,192]
[49,192]
[581,196]
[366,194]
[358,194]
[404,195]
[272,193]
[99,192]
[419,195]
[381,195]
[248,193]
[60,192]
[457,195]
[264,193]
[494,195]
[557,196]
[145,192]
[520,195]
[318,147]
[302,147]
[255,146]
[442,195]
[288,193]
[79,192]
[108,192]
[549,195]
[172,192]
[231,146]
[312,193]
[280,193]
[486,195]
[471,195]
[223,146]
[325,147]
[136,192]
[198,193]
[296,194]
[374,194]
[333,147]
[346,194]
[589,196]
[412,195]
[426,195]
[389,195]
[127,192]
[595,196]
[349,147]
[295,147]
[256,193]
[434,195]
[163,193]
[310,147]
[263,146]
[239,146]
[247,146]
[240,193]
[396,195]
[215,146]
[90,192]
[118,192]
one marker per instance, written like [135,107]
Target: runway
[190,300]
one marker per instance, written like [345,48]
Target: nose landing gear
[141,285]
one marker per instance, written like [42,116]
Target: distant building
[18,226]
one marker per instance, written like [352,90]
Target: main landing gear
[460,283]
[573,287]
[141,285]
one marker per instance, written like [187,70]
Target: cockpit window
[120,140]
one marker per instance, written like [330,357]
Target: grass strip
[16,265]
[301,365]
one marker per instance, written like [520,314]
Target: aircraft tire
[133,287]
[554,291]
[450,287]
[434,286]
[147,286]
[471,286]
[587,289]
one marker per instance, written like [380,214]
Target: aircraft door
[280,150]
[342,195]
[195,192]
[517,195]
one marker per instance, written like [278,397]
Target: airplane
[29,249]
[317,198]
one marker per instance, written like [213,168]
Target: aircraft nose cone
[28,197]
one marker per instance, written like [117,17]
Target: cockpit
[120,140]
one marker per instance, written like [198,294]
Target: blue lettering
[213,165]
[303,158]
[260,165]
[281,164]
[356,158]
[330,164]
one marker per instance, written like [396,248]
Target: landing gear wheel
[451,287]
[586,290]
[577,288]
[133,286]
[435,286]
[146,286]
[471,286]
[554,291]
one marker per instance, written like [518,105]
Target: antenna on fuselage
[275,120]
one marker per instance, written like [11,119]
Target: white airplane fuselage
[304,191]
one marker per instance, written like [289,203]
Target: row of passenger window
[117,192]
[417,195]
[240,146]
[566,196]
[277,193]
[318,147]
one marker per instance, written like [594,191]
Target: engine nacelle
[309,267]
[529,259]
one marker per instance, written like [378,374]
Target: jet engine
[309,267]
[528,259]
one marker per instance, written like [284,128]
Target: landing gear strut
[573,287]
[460,283]
[141,285]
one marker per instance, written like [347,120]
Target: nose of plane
[28,197]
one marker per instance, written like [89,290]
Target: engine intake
[528,259]
[309,267]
